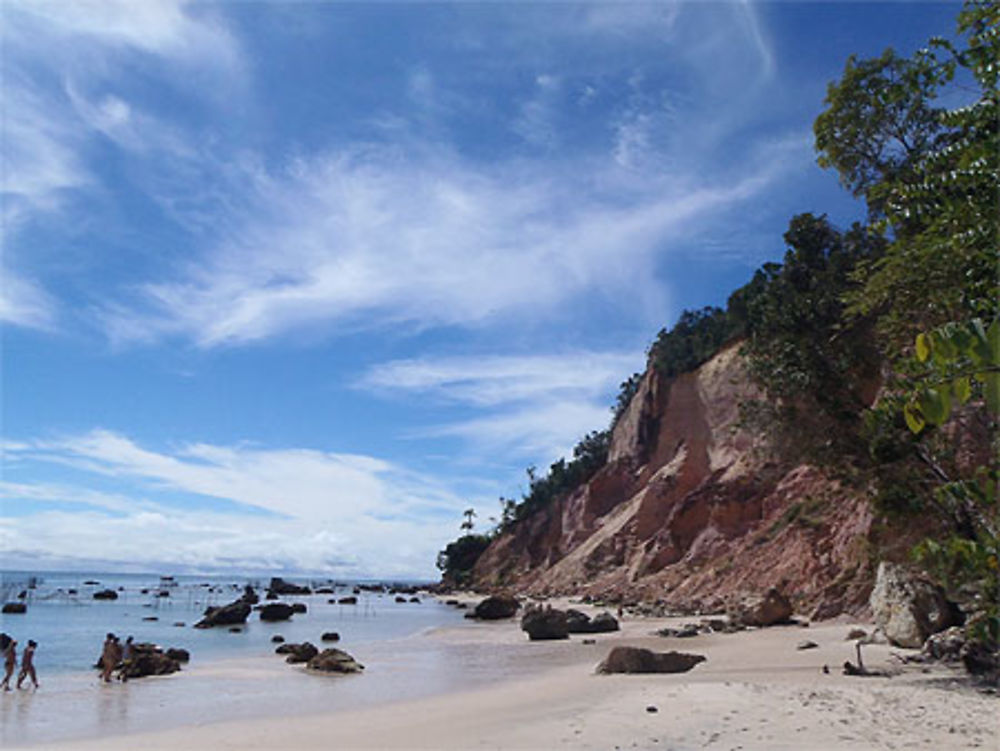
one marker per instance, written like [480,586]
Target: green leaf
[914,421]
[962,389]
[923,347]
[935,404]
[993,339]
[991,390]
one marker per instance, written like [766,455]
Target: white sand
[756,691]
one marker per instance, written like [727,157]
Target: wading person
[28,664]
[110,657]
[9,663]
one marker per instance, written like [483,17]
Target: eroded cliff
[686,512]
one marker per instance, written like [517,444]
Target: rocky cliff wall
[686,512]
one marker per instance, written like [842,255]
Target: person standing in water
[9,663]
[127,653]
[110,656]
[28,664]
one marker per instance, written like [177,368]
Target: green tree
[816,372]
[469,524]
[959,365]
[930,174]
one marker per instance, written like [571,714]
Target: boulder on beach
[149,659]
[277,639]
[233,614]
[300,652]
[10,608]
[544,623]
[299,607]
[577,622]
[334,661]
[496,607]
[909,608]
[767,609]
[249,595]
[351,600]
[603,623]
[330,636]
[105,594]
[637,660]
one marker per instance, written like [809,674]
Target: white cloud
[173,29]
[370,238]
[498,380]
[360,513]
[24,303]
[532,407]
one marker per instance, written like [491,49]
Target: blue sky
[287,286]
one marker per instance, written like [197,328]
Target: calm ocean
[69,624]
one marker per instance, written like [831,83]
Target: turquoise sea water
[69,624]
[237,676]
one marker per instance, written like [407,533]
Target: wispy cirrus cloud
[369,238]
[53,51]
[526,407]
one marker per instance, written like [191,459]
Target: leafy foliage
[459,557]
[813,368]
[937,196]
[696,336]
[961,362]
[626,390]
[589,455]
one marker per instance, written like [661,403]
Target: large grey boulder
[334,661]
[765,609]
[496,607]
[637,660]
[907,607]
[544,624]
[603,623]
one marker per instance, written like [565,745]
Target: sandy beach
[755,691]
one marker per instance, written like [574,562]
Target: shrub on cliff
[459,557]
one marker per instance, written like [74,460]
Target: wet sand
[496,690]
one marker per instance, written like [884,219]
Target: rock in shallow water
[334,661]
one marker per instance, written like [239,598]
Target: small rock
[235,630]
[277,639]
[652,709]
[10,608]
[856,633]
[330,636]
[807,645]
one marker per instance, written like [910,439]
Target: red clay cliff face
[686,513]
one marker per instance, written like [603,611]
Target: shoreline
[756,690]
